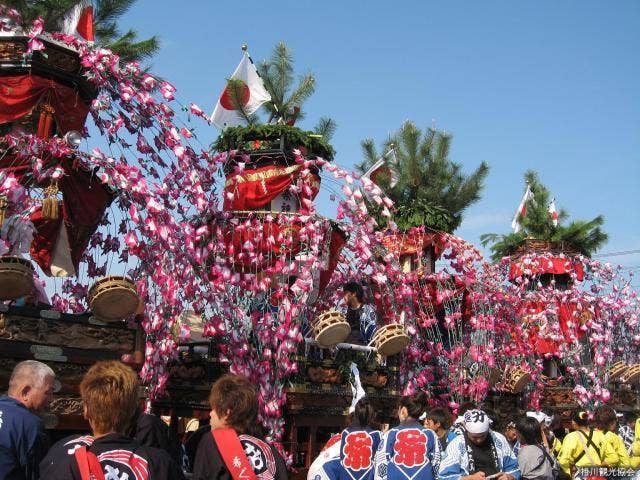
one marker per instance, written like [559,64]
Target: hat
[539,417]
[476,421]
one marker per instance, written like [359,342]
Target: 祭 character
[408,451]
[350,455]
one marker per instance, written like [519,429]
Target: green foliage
[432,190]
[586,236]
[239,137]
[277,75]
[326,127]
[105,13]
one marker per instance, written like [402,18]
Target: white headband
[476,421]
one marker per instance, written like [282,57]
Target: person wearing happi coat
[350,454]
[479,452]
[408,451]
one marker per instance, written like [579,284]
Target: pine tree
[105,13]
[286,101]
[585,236]
[432,190]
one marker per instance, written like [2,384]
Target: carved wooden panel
[67,334]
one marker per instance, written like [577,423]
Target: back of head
[465,407]
[605,417]
[415,404]
[581,418]
[529,430]
[109,391]
[364,414]
[355,288]
[31,373]
[441,416]
[234,396]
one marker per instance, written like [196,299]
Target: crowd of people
[427,444]
[127,444]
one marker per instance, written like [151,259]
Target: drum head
[16,278]
[333,334]
[114,300]
[393,345]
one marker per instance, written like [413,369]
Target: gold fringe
[50,209]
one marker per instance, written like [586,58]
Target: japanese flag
[79,21]
[553,212]
[522,210]
[253,95]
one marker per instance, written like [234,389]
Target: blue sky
[546,85]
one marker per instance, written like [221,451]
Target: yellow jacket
[635,447]
[572,448]
[617,444]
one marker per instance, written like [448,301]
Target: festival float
[188,262]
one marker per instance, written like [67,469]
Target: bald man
[22,439]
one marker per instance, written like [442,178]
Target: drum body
[390,339]
[516,380]
[113,298]
[617,370]
[632,374]
[16,278]
[331,328]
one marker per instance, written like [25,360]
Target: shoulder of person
[71,443]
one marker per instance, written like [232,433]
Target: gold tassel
[3,209]
[50,203]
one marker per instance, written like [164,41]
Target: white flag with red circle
[553,212]
[79,21]
[253,96]
[522,210]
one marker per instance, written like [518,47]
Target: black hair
[415,404]
[465,407]
[356,288]
[581,418]
[364,414]
[441,416]
[529,430]
[604,417]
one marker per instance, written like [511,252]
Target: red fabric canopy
[22,93]
[541,265]
[338,241]
[570,317]
[85,200]
[253,189]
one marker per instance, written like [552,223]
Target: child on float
[408,450]
[350,454]
[234,448]
[584,447]
[479,452]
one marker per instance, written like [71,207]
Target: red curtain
[253,189]
[554,265]
[410,243]
[338,241]
[21,93]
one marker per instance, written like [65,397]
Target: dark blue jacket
[23,442]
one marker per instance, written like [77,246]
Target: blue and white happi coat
[408,452]
[348,458]
[455,462]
